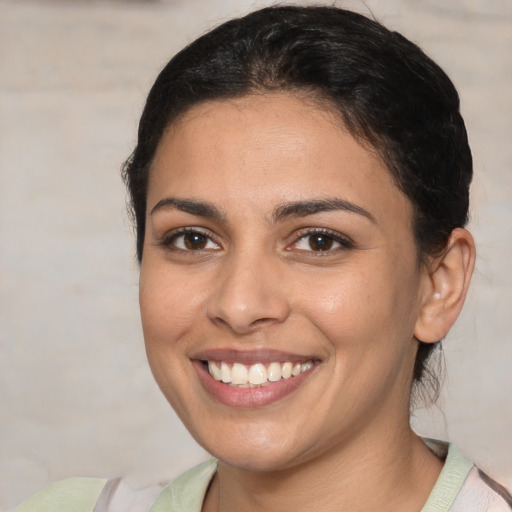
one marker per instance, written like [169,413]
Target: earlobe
[446,287]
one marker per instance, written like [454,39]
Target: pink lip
[265,356]
[249,397]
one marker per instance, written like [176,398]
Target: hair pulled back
[387,92]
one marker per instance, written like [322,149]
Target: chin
[256,460]
[255,449]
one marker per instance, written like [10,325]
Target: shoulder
[69,495]
[187,492]
[462,487]
[481,493]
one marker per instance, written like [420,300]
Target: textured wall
[76,396]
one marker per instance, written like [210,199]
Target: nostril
[260,322]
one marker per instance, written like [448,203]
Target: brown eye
[192,240]
[195,241]
[320,242]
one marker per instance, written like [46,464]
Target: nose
[248,295]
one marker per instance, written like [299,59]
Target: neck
[394,472]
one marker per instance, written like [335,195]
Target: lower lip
[249,397]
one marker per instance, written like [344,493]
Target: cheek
[168,305]
[168,308]
[367,321]
[365,306]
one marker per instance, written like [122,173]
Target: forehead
[273,147]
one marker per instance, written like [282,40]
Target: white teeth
[239,374]
[214,371]
[225,373]
[274,372]
[304,367]
[257,374]
[286,371]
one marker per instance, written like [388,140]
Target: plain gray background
[77,397]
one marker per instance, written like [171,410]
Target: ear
[446,285]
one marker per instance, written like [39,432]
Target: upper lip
[250,356]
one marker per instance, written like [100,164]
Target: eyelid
[167,239]
[345,241]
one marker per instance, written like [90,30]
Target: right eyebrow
[313,206]
[192,206]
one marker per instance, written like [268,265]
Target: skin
[257,282]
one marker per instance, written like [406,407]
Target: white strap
[118,496]
[106,495]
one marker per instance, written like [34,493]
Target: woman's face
[279,252]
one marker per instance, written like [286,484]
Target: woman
[300,189]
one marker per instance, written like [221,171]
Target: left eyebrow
[192,206]
[312,206]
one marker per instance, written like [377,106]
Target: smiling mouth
[256,375]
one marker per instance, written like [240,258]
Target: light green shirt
[461,487]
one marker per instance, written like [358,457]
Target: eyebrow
[287,210]
[310,207]
[192,206]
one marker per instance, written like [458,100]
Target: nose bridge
[248,292]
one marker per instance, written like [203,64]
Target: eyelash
[330,237]
[169,240]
